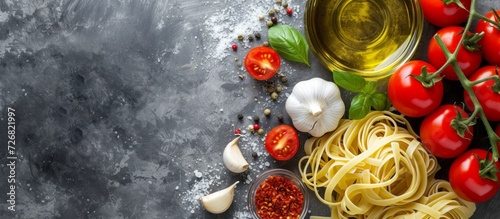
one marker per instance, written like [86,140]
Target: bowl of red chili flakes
[278,193]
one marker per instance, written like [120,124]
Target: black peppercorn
[256,119]
[240,116]
[274,20]
[257,36]
[280,117]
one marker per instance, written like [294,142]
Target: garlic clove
[233,159]
[218,202]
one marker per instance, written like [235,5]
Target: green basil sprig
[368,96]
[289,43]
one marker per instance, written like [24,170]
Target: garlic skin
[233,159]
[315,106]
[218,202]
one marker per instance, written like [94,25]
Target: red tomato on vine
[442,15]
[465,178]
[469,61]
[490,43]
[408,95]
[488,98]
[439,134]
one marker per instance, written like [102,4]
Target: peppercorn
[250,38]
[289,11]
[240,37]
[280,117]
[267,112]
[278,1]
[279,89]
[285,5]
[256,126]
[256,119]
[261,17]
[274,20]
[257,36]
[265,43]
[283,78]
[254,154]
[239,64]
[269,23]
[237,131]
[274,96]
[272,13]
[270,88]
[260,131]
[240,116]
[234,47]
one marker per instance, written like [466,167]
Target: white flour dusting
[226,25]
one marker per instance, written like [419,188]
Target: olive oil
[367,37]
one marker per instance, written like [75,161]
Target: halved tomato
[262,62]
[282,142]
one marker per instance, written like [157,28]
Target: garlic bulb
[233,159]
[315,106]
[219,201]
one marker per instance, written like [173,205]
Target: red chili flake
[256,126]
[289,11]
[278,197]
[237,131]
[234,46]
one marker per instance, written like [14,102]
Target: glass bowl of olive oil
[371,38]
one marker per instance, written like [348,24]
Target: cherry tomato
[442,15]
[282,142]
[465,179]
[408,95]
[469,61]
[262,62]
[439,137]
[490,43]
[489,100]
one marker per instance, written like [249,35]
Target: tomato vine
[488,167]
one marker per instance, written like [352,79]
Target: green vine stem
[467,84]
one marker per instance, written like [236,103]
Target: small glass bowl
[276,172]
[371,38]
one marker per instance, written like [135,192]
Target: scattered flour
[225,26]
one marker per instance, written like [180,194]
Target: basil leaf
[360,106]
[289,43]
[370,87]
[348,81]
[379,101]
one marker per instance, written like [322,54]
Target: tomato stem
[467,84]
[488,169]
[496,24]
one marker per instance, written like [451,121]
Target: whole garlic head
[315,106]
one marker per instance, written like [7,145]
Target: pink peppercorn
[256,126]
